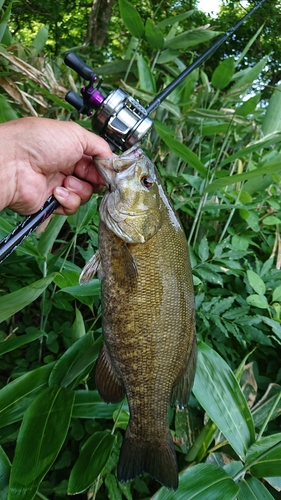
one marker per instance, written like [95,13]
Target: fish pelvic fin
[109,387]
[182,388]
[157,458]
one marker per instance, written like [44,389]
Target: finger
[87,170]
[78,186]
[69,201]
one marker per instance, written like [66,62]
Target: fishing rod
[119,118]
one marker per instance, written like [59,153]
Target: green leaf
[154,35]
[256,300]
[114,493]
[201,482]
[5,467]
[15,301]
[264,457]
[252,489]
[131,18]
[50,234]
[248,77]
[76,362]
[88,404]
[6,111]
[272,167]
[256,282]
[92,459]
[223,73]
[146,77]
[190,38]
[272,120]
[4,21]
[41,436]
[14,342]
[40,40]
[217,390]
[170,21]
[269,404]
[77,329]
[203,249]
[16,396]
[183,152]
[271,220]
[85,290]
[276,296]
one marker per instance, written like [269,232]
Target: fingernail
[62,192]
[75,183]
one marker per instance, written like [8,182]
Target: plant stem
[269,416]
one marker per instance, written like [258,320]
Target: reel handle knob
[74,62]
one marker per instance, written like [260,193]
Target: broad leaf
[14,342]
[201,482]
[92,459]
[218,391]
[42,434]
[153,35]
[223,73]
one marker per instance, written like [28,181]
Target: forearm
[7,165]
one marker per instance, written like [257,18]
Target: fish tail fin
[157,458]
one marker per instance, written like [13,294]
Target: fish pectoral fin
[182,388]
[130,264]
[91,268]
[110,388]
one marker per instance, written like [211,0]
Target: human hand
[40,157]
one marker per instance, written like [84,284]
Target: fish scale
[149,349]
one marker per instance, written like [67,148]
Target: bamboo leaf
[264,457]
[92,459]
[253,489]
[183,152]
[131,18]
[88,404]
[217,485]
[76,362]
[15,301]
[41,436]
[50,234]
[5,467]
[146,77]
[16,396]
[153,35]
[272,120]
[218,391]
[4,20]
[272,167]
[223,73]
[190,38]
[14,342]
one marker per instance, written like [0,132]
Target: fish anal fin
[92,267]
[109,387]
[156,457]
[182,388]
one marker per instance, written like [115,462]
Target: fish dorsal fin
[91,268]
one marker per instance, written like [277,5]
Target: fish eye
[147,181]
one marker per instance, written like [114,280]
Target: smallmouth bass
[149,347]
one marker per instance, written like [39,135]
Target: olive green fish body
[149,334]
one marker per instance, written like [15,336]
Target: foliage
[218,151]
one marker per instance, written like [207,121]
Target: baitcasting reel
[119,118]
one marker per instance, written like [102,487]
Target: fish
[148,313]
